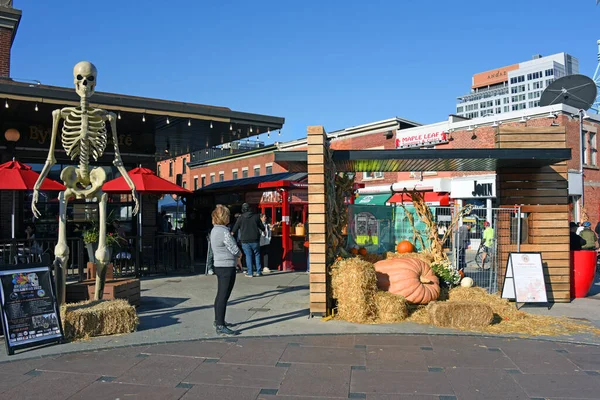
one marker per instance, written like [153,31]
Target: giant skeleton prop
[83,135]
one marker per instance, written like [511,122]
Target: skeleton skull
[84,75]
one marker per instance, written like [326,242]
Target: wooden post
[317,210]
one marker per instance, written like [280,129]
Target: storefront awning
[284,179]
[407,160]
[371,200]
[431,198]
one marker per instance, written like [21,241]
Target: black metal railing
[18,251]
[169,252]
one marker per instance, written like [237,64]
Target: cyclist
[488,242]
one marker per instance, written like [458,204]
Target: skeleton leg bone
[102,252]
[61,251]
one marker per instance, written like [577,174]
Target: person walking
[265,241]
[226,255]
[488,242]
[589,236]
[250,227]
[462,242]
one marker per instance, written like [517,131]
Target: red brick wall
[5,44]
[228,166]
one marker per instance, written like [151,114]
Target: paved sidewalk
[179,308]
[373,367]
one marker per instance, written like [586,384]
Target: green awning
[372,199]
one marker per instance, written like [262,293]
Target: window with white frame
[593,149]
[257,170]
[195,183]
[212,177]
[268,169]
[245,172]
[234,173]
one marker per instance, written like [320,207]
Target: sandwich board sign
[524,278]
[28,308]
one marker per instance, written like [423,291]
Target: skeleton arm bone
[119,163]
[57,115]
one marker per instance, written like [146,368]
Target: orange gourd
[362,251]
[409,277]
[405,247]
[354,251]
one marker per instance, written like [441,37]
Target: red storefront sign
[404,140]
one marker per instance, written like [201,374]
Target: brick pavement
[374,367]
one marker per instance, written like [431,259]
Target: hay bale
[354,284]
[460,314]
[98,318]
[390,307]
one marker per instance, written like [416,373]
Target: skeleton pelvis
[79,187]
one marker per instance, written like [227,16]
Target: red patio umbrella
[15,175]
[145,181]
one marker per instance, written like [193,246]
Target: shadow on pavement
[272,319]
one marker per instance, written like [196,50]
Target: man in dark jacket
[250,227]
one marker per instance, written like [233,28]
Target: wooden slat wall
[317,197]
[543,195]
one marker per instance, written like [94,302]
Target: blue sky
[332,63]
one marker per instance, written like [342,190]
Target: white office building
[515,87]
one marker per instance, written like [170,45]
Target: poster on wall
[28,307]
[524,281]
[366,229]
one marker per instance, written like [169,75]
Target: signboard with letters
[477,187]
[524,279]
[28,308]
[420,139]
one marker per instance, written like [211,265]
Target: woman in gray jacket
[226,255]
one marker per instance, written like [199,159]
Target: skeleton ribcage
[81,139]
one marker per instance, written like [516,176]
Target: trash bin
[583,271]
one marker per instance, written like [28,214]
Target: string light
[189,122]
[250,129]
[279,133]
[230,127]
[119,115]
[210,124]
[168,122]
[36,107]
[269,134]
[5,103]
[143,117]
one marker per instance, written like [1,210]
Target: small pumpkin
[410,277]
[467,282]
[461,273]
[362,251]
[405,247]
[354,251]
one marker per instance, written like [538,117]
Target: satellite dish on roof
[577,91]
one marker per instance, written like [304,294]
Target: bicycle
[479,256]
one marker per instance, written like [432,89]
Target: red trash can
[583,271]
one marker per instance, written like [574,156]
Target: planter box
[91,271]
[127,289]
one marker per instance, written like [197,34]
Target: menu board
[28,306]
[524,280]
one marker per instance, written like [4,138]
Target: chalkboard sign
[30,315]
[524,279]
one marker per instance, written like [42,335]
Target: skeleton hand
[136,208]
[34,209]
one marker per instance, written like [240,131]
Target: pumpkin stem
[424,280]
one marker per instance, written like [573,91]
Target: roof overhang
[178,127]
[273,181]
[408,160]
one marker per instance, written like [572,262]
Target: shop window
[256,171]
[184,165]
[170,169]
[268,169]
[221,176]
[234,175]
[203,181]
[245,173]
[195,183]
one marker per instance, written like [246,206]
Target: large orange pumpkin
[405,247]
[409,277]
